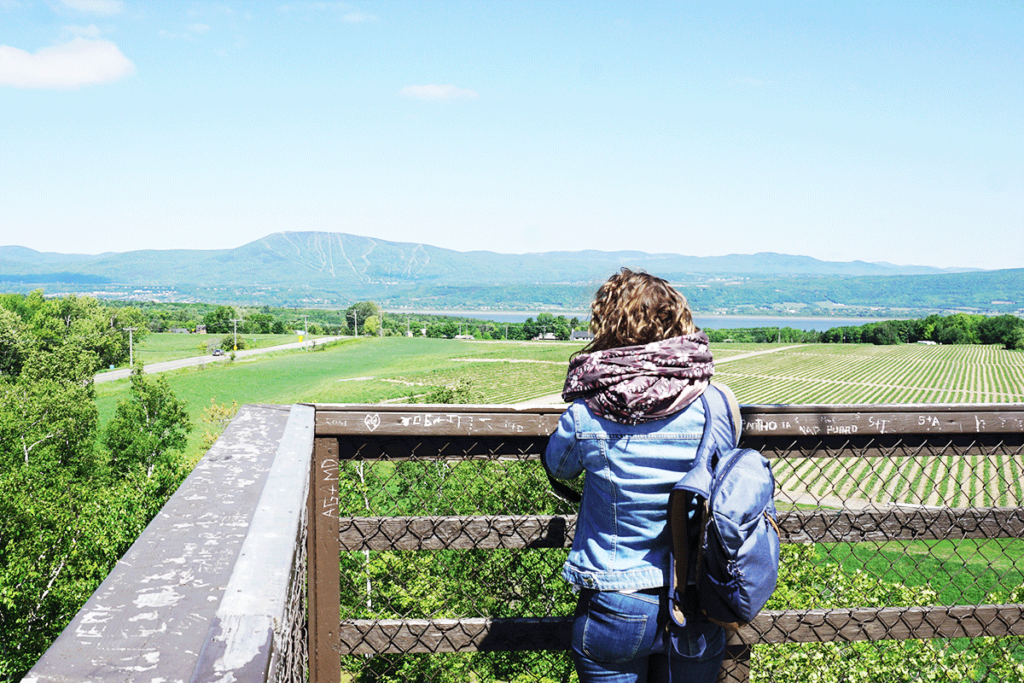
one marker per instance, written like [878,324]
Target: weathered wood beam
[392,636]
[883,623]
[456,533]
[798,526]
[774,420]
[900,524]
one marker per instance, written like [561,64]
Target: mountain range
[351,260]
[311,267]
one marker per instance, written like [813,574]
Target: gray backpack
[722,520]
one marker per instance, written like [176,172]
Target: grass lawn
[372,370]
[156,348]
[965,572]
[365,370]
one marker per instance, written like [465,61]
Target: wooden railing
[213,589]
[815,510]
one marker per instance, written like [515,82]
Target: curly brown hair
[637,308]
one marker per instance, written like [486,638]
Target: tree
[999,329]
[13,344]
[357,313]
[47,430]
[959,328]
[86,323]
[231,343]
[65,517]
[218,321]
[371,325]
[561,328]
[258,323]
[147,428]
[530,329]
[1015,341]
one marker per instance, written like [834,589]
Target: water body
[714,322]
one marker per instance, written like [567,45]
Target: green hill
[321,268]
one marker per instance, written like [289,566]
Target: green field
[864,373]
[365,370]
[156,348]
[397,369]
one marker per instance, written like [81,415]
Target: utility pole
[235,321]
[131,346]
[355,329]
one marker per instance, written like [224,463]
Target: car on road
[218,352]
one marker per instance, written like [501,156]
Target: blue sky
[875,131]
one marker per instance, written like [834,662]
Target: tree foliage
[66,514]
[958,328]
[148,427]
[218,321]
[357,314]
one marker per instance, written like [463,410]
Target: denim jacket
[622,539]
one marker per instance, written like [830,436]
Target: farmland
[856,373]
[397,369]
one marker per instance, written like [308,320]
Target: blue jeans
[621,638]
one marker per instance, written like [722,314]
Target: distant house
[547,336]
[463,336]
[200,329]
[581,335]
[179,330]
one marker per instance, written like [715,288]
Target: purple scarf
[634,384]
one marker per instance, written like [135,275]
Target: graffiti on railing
[885,420]
[327,483]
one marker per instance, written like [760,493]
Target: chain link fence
[903,555]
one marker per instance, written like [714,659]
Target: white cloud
[199,28]
[71,65]
[104,7]
[437,92]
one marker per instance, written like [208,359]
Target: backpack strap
[724,406]
[688,507]
[680,507]
[563,491]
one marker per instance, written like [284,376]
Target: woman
[634,426]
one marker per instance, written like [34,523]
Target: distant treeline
[366,318]
[958,328]
[361,318]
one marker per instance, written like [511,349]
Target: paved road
[114,375]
